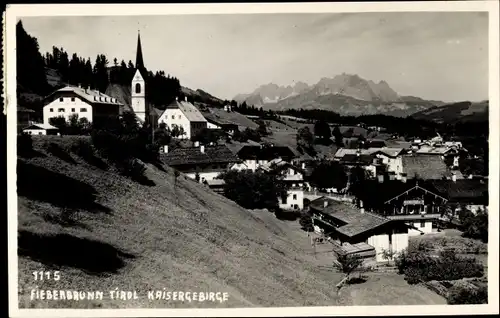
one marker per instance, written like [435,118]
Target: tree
[306,222]
[262,129]
[253,190]
[305,139]
[59,122]
[338,136]
[328,174]
[322,130]
[30,63]
[347,264]
[388,255]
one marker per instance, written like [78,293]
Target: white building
[185,116]
[83,102]
[353,231]
[253,157]
[294,180]
[40,129]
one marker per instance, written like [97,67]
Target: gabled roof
[390,152]
[354,159]
[376,143]
[375,194]
[463,190]
[193,156]
[91,96]
[40,126]
[231,117]
[355,222]
[265,153]
[278,165]
[434,150]
[189,110]
[426,167]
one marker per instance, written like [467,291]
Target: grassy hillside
[103,231]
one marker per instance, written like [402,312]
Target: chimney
[325,203]
[454,176]
[79,85]
[176,98]
[380,178]
[202,149]
[361,207]
[403,177]
[196,143]
[165,149]
[226,108]
[185,98]
[303,165]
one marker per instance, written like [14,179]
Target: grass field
[104,231]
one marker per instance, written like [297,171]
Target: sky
[432,55]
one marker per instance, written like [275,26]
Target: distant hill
[462,111]
[346,94]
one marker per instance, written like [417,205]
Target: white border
[14,11]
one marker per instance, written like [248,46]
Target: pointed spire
[139,63]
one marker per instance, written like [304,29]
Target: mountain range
[347,94]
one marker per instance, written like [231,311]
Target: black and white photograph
[319,158]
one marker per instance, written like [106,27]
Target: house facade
[255,156]
[353,231]
[293,177]
[93,105]
[203,162]
[416,203]
[40,129]
[185,116]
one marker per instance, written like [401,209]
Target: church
[182,114]
[133,97]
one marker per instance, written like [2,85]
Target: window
[61,99]
[294,197]
[137,88]
[61,110]
[72,99]
[83,110]
[411,223]
[51,110]
[422,223]
[173,116]
[40,133]
[73,110]
[179,116]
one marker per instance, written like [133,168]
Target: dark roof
[354,221]
[193,156]
[217,120]
[355,159]
[425,167]
[375,194]
[265,152]
[463,190]
[122,94]
[232,117]
[375,143]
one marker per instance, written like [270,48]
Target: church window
[137,88]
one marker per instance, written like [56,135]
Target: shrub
[60,153]
[85,150]
[418,266]
[467,295]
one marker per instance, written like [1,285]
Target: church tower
[138,96]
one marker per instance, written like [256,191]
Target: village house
[469,193]
[203,162]
[449,155]
[416,202]
[294,179]
[216,122]
[427,167]
[40,129]
[354,231]
[255,156]
[185,116]
[93,105]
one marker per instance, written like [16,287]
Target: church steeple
[139,63]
